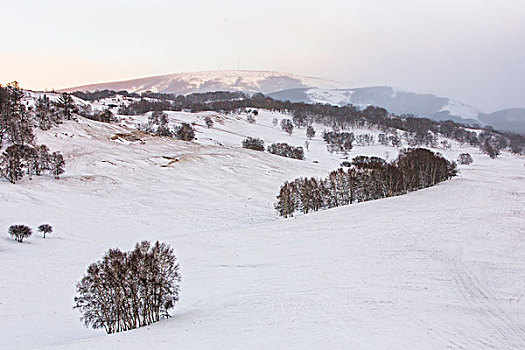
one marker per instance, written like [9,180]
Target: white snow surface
[461,109]
[442,267]
[334,97]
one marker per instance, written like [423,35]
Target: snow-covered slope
[441,267]
[184,83]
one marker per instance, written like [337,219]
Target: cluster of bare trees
[389,140]
[310,132]
[465,159]
[491,144]
[287,126]
[285,150]
[338,142]
[21,155]
[367,139]
[368,178]
[254,143]
[281,149]
[185,132]
[158,123]
[126,290]
[16,161]
[20,232]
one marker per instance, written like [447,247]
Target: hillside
[441,267]
[284,86]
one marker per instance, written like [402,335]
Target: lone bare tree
[45,229]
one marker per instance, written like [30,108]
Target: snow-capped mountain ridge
[232,80]
[296,88]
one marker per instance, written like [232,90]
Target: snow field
[441,267]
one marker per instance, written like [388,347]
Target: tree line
[20,153]
[368,178]
[422,131]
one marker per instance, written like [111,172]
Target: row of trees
[20,232]
[368,178]
[16,161]
[21,155]
[281,149]
[126,290]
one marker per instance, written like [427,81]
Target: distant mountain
[185,83]
[395,101]
[296,88]
[508,119]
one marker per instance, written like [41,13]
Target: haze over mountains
[297,88]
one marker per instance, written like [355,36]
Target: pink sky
[469,50]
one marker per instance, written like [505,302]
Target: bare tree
[185,132]
[45,229]
[287,126]
[57,164]
[251,118]
[11,164]
[465,159]
[66,105]
[19,232]
[310,132]
[209,122]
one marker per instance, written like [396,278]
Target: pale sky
[469,50]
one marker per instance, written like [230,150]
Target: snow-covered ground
[441,267]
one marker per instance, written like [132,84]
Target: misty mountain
[406,102]
[512,119]
[395,101]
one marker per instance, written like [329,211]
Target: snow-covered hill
[184,83]
[443,267]
[297,88]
